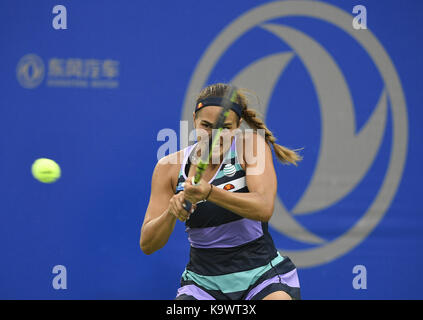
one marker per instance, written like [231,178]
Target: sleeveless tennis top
[222,241]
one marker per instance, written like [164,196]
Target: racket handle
[187,206]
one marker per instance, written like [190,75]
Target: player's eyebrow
[209,123]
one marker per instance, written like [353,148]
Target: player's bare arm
[258,203]
[164,207]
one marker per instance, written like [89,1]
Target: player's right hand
[176,207]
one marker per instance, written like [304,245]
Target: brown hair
[250,116]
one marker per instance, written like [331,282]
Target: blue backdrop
[94,96]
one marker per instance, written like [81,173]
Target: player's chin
[220,148]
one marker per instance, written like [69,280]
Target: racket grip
[187,205]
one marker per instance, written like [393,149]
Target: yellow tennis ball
[45,170]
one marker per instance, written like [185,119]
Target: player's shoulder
[251,135]
[171,162]
[167,168]
[252,140]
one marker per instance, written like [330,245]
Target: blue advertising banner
[97,85]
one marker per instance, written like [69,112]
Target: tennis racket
[229,97]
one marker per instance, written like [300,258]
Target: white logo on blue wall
[30,71]
[68,72]
[330,182]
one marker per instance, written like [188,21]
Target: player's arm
[258,203]
[163,209]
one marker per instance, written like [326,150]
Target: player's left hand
[196,193]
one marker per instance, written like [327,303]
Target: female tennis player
[232,255]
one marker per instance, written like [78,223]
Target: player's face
[204,120]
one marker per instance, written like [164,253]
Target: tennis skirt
[280,274]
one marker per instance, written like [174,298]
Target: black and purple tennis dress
[231,257]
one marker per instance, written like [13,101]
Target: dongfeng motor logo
[30,71]
[337,172]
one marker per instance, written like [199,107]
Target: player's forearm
[250,205]
[156,233]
